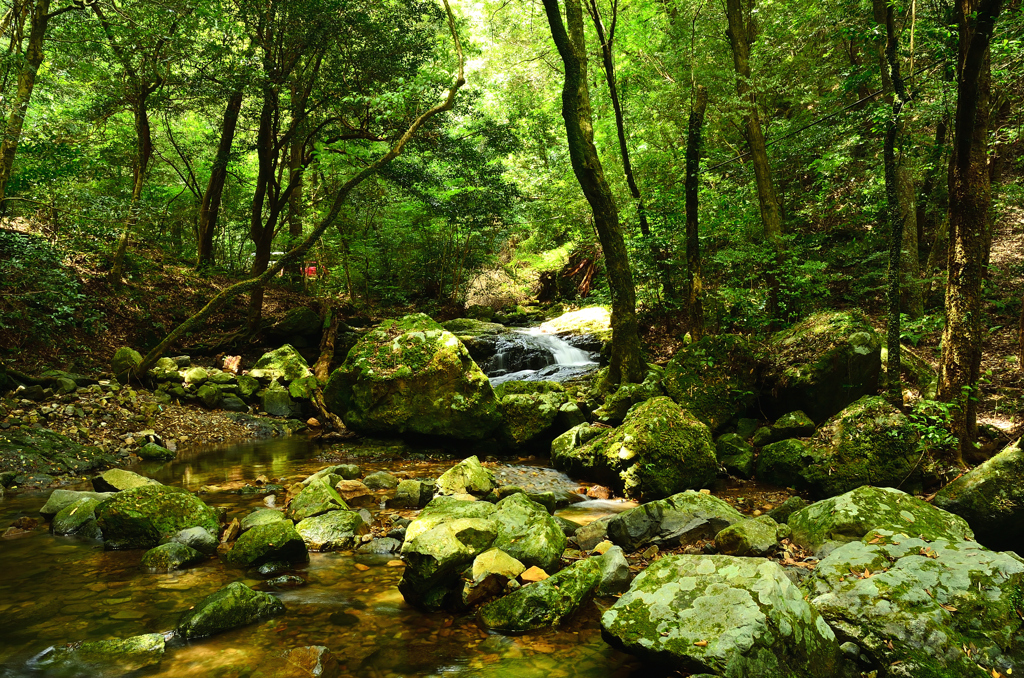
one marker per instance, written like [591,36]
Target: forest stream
[58,590]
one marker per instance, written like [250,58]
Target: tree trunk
[925,217]
[969,202]
[261,229]
[295,172]
[143,154]
[322,368]
[627,365]
[210,209]
[740,37]
[693,272]
[26,83]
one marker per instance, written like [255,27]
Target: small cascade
[535,355]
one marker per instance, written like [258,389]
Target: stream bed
[57,590]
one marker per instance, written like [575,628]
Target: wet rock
[234,605]
[273,568]
[659,450]
[171,556]
[990,498]
[593,533]
[568,526]
[346,471]
[36,457]
[528,533]
[412,494]
[618,403]
[412,377]
[545,603]
[382,546]
[316,498]
[61,499]
[144,517]
[924,608]
[117,480]
[287,581]
[261,517]
[154,452]
[783,511]
[615,574]
[332,531]
[198,538]
[735,455]
[490,576]
[466,477]
[115,656]
[381,480]
[823,364]
[125,363]
[680,519]
[284,365]
[753,537]
[355,493]
[723,616]
[850,516]
[316,661]
[277,541]
[78,518]
[277,402]
[529,410]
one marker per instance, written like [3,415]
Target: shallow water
[56,590]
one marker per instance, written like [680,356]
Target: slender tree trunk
[210,209]
[261,228]
[897,213]
[741,37]
[322,367]
[627,365]
[969,203]
[26,83]
[924,218]
[144,153]
[693,148]
[295,211]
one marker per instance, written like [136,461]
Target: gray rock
[615,574]
[568,527]
[723,616]
[381,480]
[382,546]
[277,402]
[198,538]
[593,533]
[412,494]
[60,499]
[679,519]
[234,605]
[171,556]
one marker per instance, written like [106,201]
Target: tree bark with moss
[627,364]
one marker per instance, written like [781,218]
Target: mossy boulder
[412,377]
[850,516]
[868,443]
[735,455]
[277,541]
[297,322]
[165,370]
[544,603]
[154,452]
[593,320]
[316,498]
[679,519]
[715,378]
[467,477]
[78,518]
[261,517]
[125,364]
[659,450]
[752,537]
[277,401]
[284,364]
[412,494]
[528,533]
[990,498]
[439,545]
[144,517]
[171,556]
[823,363]
[110,657]
[917,607]
[723,616]
[118,480]
[479,337]
[41,452]
[198,538]
[618,403]
[61,499]
[529,415]
[333,531]
[234,605]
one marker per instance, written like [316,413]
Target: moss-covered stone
[301,321]
[868,443]
[61,499]
[824,363]
[792,425]
[171,556]
[735,455]
[752,537]
[111,657]
[247,386]
[196,376]
[679,519]
[412,494]
[658,451]
[144,517]
[284,364]
[529,415]
[715,378]
[118,479]
[124,364]
[234,605]
[544,603]
[723,616]
[850,516]
[467,477]
[410,376]
[316,498]
[991,499]
[277,541]
[38,452]
[333,531]
[916,607]
[78,518]
[209,395]
[618,403]
[261,517]
[154,452]
[528,533]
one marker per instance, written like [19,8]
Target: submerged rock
[144,517]
[234,605]
[171,556]
[723,616]
[411,376]
[115,656]
[679,519]
[198,538]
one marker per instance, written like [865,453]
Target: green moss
[144,517]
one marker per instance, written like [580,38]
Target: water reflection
[58,590]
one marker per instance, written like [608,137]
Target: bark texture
[210,209]
[695,281]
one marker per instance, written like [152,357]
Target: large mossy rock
[723,616]
[715,378]
[991,499]
[528,533]
[118,480]
[284,364]
[823,363]
[467,477]
[61,499]
[78,518]
[125,363]
[850,516]
[411,376]
[333,531]
[529,410]
[679,519]
[316,498]
[40,451]
[658,451]
[439,545]
[924,608]
[544,603]
[277,541]
[753,537]
[480,338]
[234,605]
[868,443]
[144,517]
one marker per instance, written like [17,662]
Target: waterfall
[533,355]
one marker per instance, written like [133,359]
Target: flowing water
[57,590]
[533,355]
